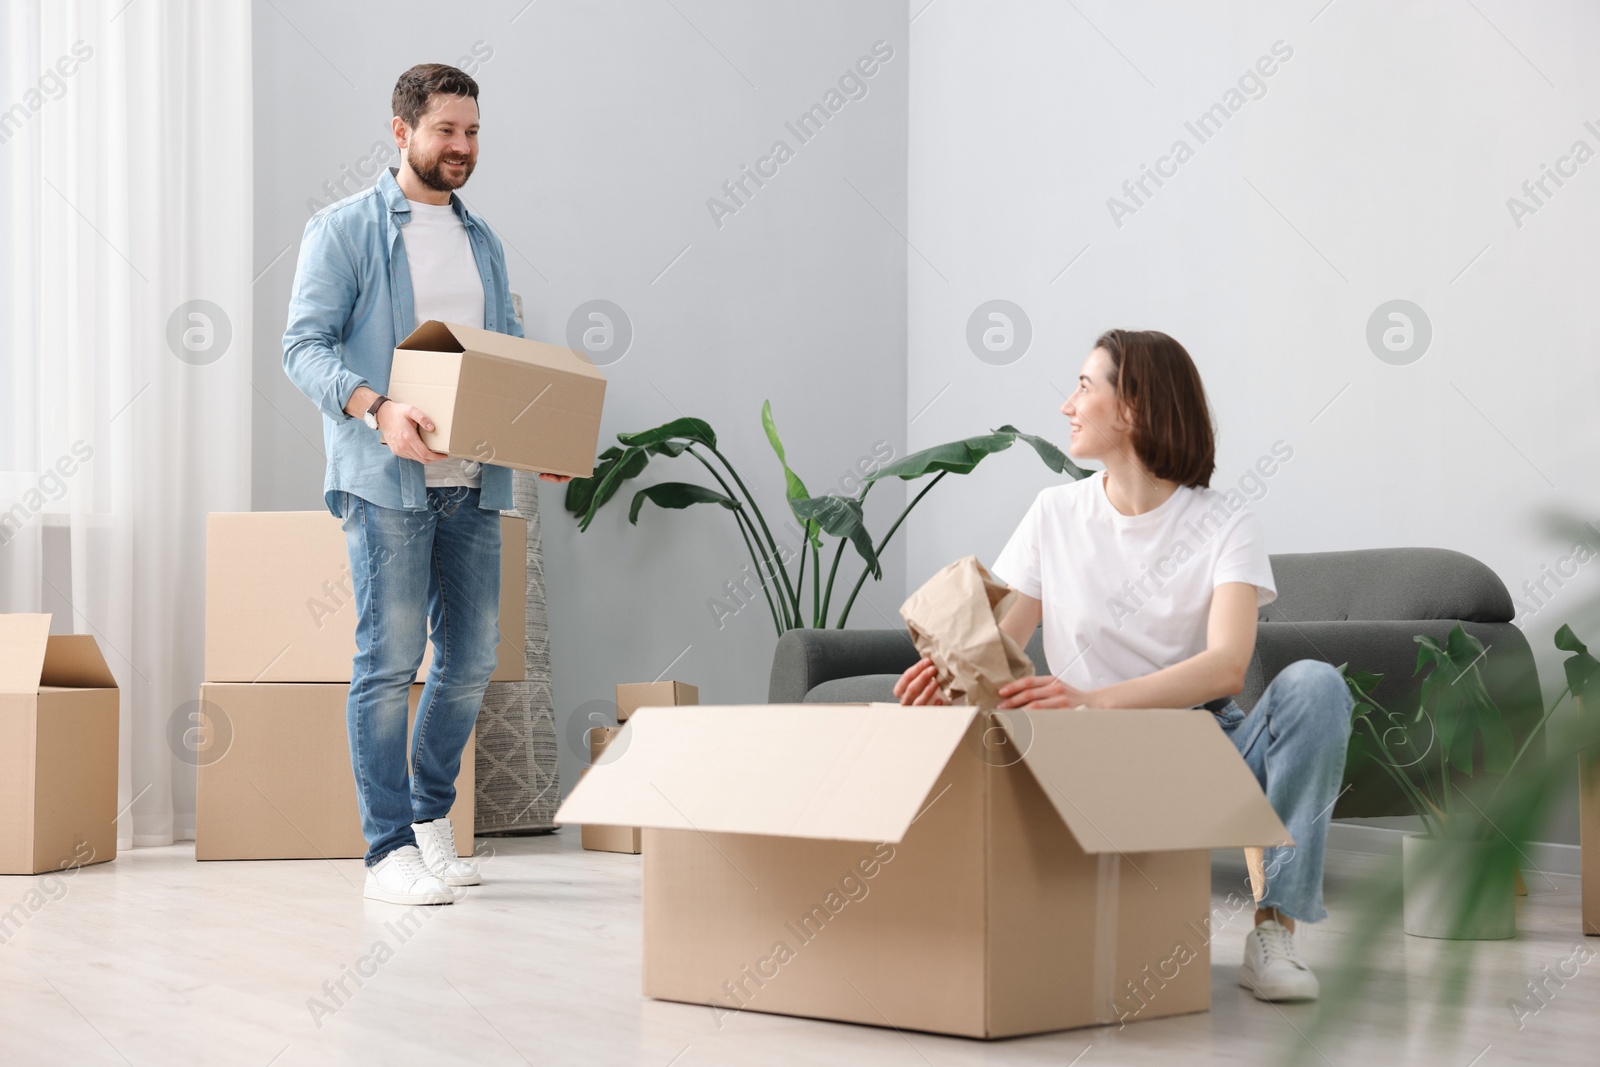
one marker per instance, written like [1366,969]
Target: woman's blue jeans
[1294,739]
[418,572]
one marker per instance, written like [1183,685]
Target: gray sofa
[1362,608]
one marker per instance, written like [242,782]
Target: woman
[1148,583]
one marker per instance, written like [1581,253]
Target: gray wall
[1375,164]
[605,130]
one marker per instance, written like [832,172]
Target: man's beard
[432,173]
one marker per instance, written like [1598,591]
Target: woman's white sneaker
[437,841]
[1272,968]
[402,878]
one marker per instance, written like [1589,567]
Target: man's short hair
[417,85]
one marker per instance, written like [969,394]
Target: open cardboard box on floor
[58,749]
[982,875]
[500,399]
[274,780]
[280,606]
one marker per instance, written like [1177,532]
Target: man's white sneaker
[402,878]
[437,842]
[1272,968]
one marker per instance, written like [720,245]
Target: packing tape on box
[1108,884]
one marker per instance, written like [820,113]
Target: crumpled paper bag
[954,620]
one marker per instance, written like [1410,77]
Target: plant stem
[781,624]
[771,541]
[1525,743]
[800,577]
[1413,793]
[833,571]
[1407,786]
[1444,776]
[844,612]
[816,584]
[751,548]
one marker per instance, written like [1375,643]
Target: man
[423,529]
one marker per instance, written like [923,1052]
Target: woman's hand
[558,478]
[919,684]
[1040,691]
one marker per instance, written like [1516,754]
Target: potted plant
[1458,876]
[832,514]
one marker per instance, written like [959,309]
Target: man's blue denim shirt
[351,304]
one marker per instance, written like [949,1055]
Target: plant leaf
[1463,713]
[580,491]
[697,430]
[1360,684]
[630,464]
[677,495]
[957,457]
[840,516]
[1053,457]
[1581,667]
[795,488]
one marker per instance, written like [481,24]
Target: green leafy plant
[1506,816]
[1456,731]
[832,514]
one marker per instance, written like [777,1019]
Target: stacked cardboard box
[631,696]
[274,779]
[280,602]
[58,749]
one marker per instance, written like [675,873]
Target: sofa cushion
[868,687]
[880,687]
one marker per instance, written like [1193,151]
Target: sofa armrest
[805,658]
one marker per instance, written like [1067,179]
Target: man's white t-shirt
[445,285]
[1126,595]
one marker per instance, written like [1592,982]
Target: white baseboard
[1353,847]
[1547,857]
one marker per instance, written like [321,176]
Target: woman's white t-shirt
[1126,595]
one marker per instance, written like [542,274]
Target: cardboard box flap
[74,661]
[1144,780]
[436,336]
[858,773]
[23,640]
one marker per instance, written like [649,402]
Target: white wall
[605,130]
[1390,141]
[1377,165]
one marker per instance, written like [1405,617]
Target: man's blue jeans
[1294,739]
[417,572]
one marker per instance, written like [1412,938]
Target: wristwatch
[371,417]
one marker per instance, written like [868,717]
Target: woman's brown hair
[1153,376]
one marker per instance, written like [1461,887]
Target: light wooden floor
[155,959]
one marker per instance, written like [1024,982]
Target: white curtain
[127,160]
